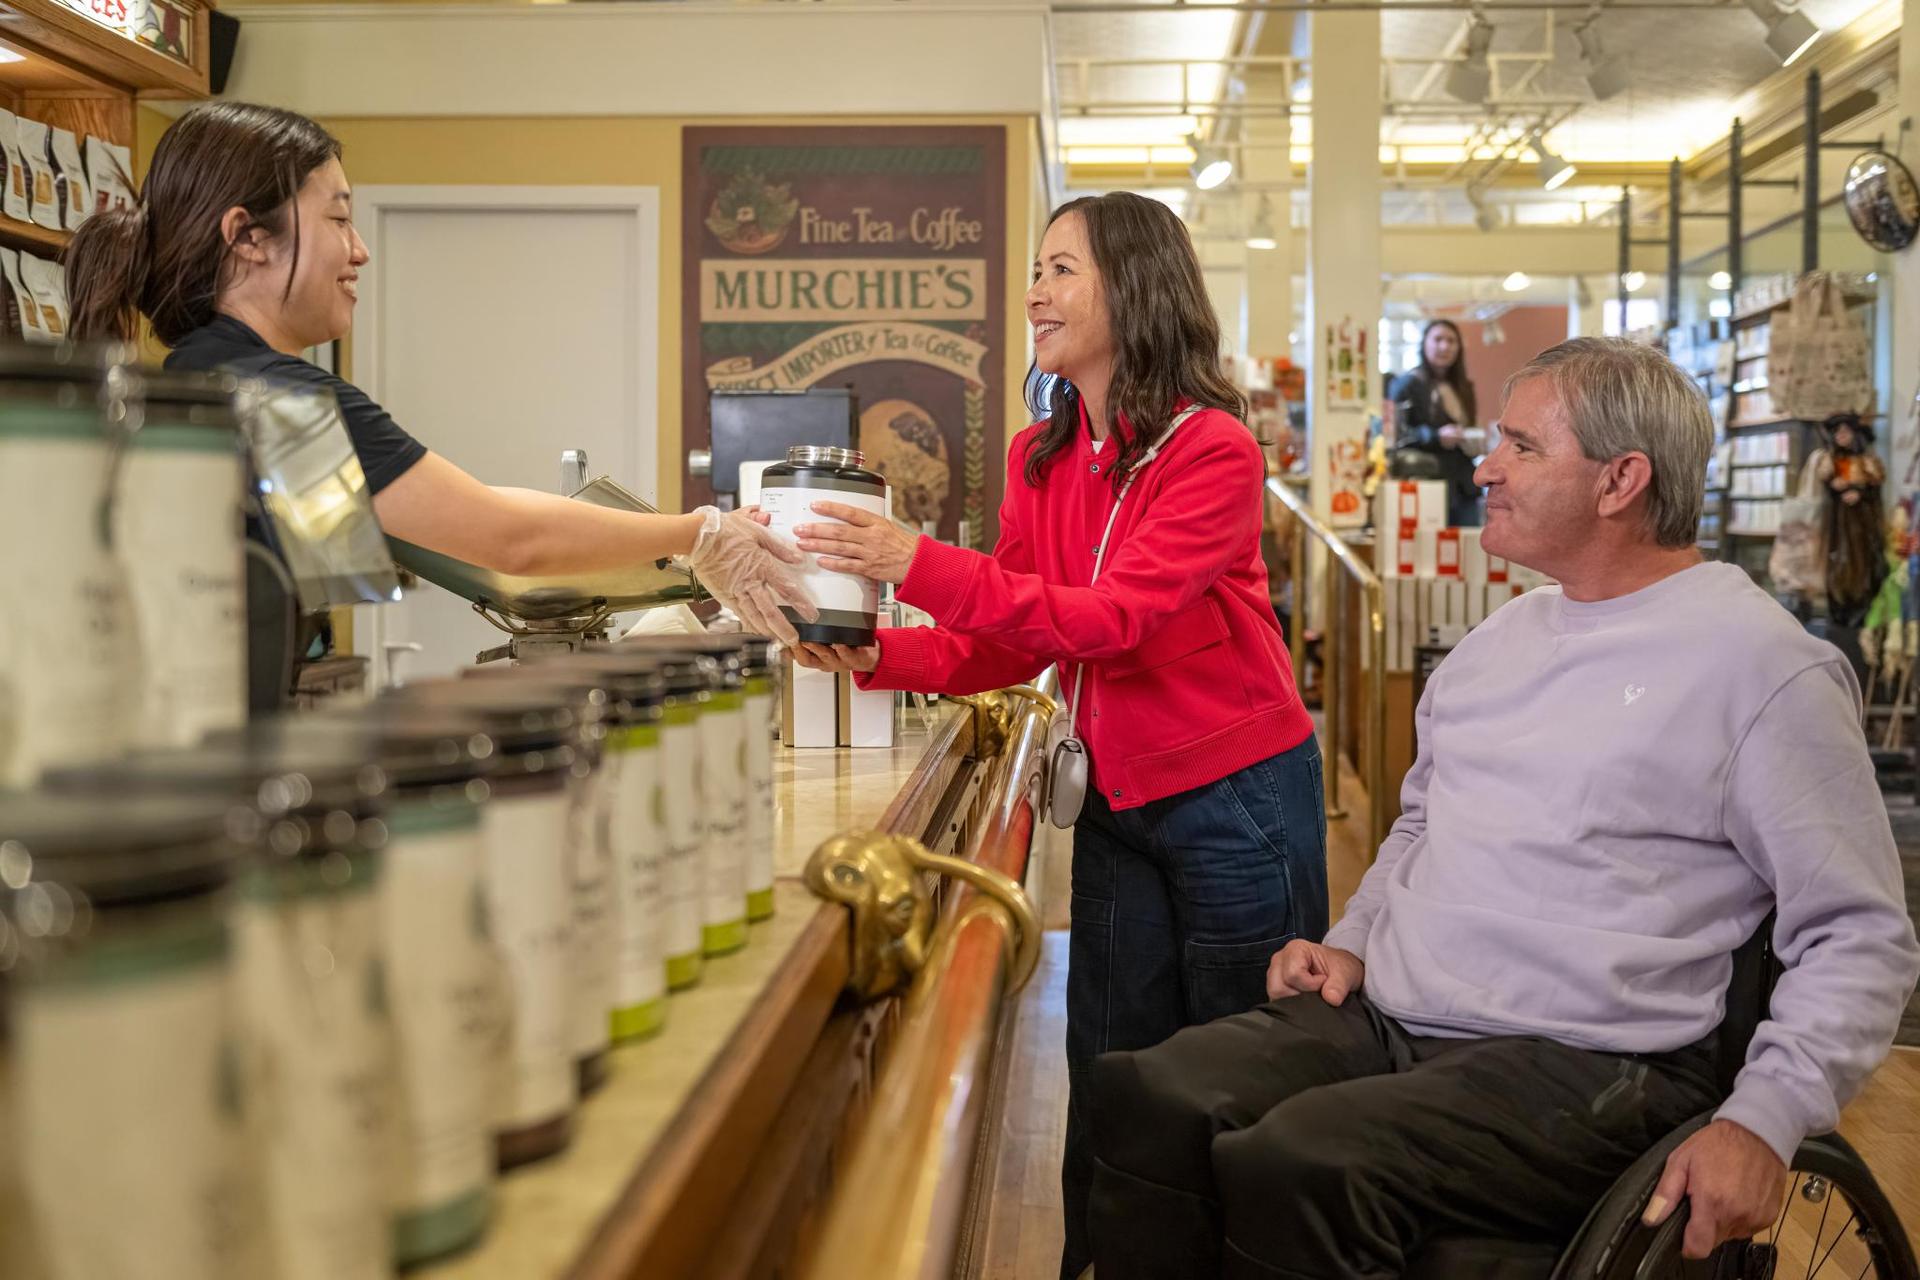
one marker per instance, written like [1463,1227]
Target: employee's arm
[436,505]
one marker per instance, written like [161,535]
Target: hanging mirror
[1883,201]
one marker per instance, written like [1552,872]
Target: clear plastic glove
[749,569]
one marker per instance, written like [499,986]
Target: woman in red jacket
[1129,555]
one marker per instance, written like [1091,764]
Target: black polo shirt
[226,345]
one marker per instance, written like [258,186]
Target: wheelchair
[1833,1221]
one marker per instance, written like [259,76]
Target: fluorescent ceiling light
[1720,280]
[1789,31]
[1470,79]
[1516,282]
[1719,308]
[1210,167]
[1633,280]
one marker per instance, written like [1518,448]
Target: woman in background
[1430,407]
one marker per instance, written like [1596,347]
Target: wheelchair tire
[1612,1245]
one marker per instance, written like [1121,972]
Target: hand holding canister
[747,567]
[864,543]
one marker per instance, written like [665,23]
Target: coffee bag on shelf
[35,138]
[69,179]
[32,327]
[47,282]
[15,197]
[110,175]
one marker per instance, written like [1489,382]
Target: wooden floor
[1023,1232]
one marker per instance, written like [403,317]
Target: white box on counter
[1422,501]
[810,716]
[1408,550]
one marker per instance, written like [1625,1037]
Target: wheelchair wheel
[1834,1220]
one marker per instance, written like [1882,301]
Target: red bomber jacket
[1187,677]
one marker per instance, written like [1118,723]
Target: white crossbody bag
[1067,765]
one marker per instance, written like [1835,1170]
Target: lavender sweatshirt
[1608,798]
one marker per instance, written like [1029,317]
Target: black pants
[1303,1140]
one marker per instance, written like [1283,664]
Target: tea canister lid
[115,849]
[820,455]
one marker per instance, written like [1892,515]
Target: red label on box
[1409,501]
[1496,569]
[1446,553]
[1406,547]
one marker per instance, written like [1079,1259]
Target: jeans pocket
[1228,977]
[1089,980]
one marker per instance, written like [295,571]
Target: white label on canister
[131,1125]
[63,605]
[178,534]
[680,807]
[759,791]
[319,1056]
[589,861]
[531,905]
[723,799]
[444,977]
[639,841]
[789,503]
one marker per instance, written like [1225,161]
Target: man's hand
[1732,1180]
[1302,966]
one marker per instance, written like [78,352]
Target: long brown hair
[165,258]
[1456,374]
[1166,338]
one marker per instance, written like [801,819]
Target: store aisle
[1023,1226]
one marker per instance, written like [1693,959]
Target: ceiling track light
[1607,77]
[1484,216]
[1471,78]
[1210,167]
[1790,32]
[1554,172]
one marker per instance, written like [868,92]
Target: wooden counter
[704,1152]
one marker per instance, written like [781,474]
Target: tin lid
[191,399]
[415,746]
[820,455]
[278,779]
[637,689]
[519,717]
[729,651]
[115,849]
[68,362]
[683,672]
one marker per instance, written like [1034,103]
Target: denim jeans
[1178,906]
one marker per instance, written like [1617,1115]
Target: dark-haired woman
[1432,406]
[243,254]
[1129,555]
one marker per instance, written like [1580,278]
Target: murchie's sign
[870,257]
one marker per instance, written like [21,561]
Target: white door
[501,326]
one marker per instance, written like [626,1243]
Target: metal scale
[544,615]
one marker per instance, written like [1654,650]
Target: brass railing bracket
[878,878]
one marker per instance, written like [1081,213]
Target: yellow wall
[639,152]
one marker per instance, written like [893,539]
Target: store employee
[242,253]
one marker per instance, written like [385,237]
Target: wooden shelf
[15,234]
[66,52]
[1764,422]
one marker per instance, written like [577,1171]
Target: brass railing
[904,1203]
[1372,624]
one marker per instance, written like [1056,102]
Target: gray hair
[1624,397]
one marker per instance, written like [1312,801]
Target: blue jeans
[1178,905]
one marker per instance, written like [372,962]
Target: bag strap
[1106,535]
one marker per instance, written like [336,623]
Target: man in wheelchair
[1616,782]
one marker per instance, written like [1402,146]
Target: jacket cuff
[938,578]
[1769,1110]
[903,660]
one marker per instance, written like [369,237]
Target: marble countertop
[546,1212]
